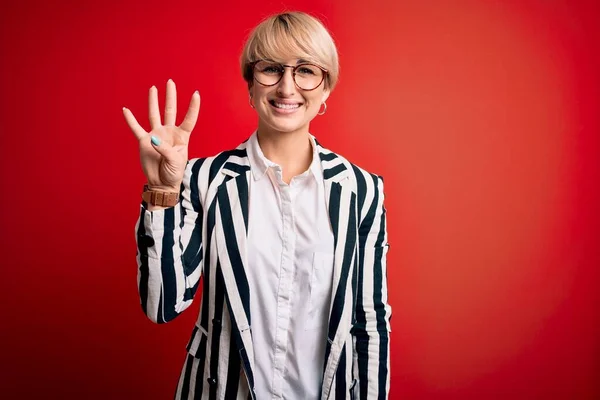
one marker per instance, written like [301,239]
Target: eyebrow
[300,61]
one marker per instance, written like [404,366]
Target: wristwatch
[164,199]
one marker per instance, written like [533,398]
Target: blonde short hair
[291,35]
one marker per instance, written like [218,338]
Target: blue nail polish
[155,140]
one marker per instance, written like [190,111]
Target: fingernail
[196,92]
[155,141]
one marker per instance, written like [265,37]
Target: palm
[164,165]
[159,170]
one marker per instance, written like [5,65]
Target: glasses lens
[267,73]
[308,76]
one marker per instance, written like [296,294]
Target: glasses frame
[294,68]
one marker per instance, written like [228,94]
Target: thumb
[164,149]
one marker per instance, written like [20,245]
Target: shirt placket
[284,292]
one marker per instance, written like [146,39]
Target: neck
[291,150]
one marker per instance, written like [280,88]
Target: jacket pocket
[321,282]
[197,344]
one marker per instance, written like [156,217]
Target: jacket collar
[332,165]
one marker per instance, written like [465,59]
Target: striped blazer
[205,235]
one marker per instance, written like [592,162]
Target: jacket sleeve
[169,251]
[373,313]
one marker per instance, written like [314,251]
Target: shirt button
[212,381]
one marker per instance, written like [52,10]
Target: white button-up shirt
[290,273]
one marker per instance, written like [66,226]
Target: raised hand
[164,151]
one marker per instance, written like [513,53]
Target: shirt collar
[259,164]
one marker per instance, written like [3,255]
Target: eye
[270,69]
[308,70]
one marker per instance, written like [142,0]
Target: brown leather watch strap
[157,198]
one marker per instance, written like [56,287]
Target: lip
[282,110]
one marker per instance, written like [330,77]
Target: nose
[286,86]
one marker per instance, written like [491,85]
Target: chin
[285,126]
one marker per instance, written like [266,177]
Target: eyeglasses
[306,76]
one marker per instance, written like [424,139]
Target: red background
[481,115]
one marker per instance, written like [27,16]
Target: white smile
[285,106]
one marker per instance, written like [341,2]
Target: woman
[290,238]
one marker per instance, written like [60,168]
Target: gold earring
[324,109]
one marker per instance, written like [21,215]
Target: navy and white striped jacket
[205,235]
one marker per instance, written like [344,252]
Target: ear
[326,93]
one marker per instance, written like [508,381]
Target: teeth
[286,106]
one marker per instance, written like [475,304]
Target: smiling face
[284,107]
[290,39]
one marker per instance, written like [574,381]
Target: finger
[171,103]
[192,113]
[163,148]
[135,127]
[153,112]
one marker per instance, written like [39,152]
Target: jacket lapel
[231,229]
[341,205]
